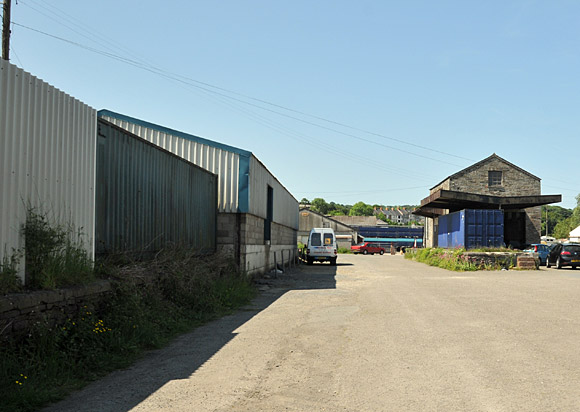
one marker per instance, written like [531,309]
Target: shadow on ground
[187,353]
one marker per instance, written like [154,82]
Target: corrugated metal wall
[47,155]
[224,163]
[471,228]
[147,196]
[285,206]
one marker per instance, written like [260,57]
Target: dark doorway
[515,228]
[269,215]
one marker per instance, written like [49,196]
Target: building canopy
[436,204]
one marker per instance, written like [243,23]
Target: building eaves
[163,129]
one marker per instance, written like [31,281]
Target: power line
[176,77]
[71,19]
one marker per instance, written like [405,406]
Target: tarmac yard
[375,333]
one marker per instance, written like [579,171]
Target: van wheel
[382,252]
[365,252]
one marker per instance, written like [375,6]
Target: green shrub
[55,256]
[450,259]
[344,250]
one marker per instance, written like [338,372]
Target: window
[315,239]
[328,239]
[494,178]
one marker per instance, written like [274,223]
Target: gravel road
[375,333]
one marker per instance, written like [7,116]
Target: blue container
[471,228]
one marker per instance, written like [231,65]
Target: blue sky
[386,98]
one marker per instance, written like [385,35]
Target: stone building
[492,183]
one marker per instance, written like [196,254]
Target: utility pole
[6,30]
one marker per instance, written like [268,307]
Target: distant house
[345,235]
[492,183]
[575,235]
[257,216]
[399,215]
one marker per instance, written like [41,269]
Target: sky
[373,101]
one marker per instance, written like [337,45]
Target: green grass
[450,259]
[51,361]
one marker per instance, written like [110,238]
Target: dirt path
[376,333]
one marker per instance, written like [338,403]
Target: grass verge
[454,259]
[184,292]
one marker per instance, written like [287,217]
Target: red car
[367,248]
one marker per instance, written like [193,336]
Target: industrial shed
[148,198]
[492,183]
[257,215]
[346,236]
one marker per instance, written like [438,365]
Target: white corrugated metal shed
[47,156]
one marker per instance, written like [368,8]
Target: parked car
[564,254]
[368,248]
[540,251]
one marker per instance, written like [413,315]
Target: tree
[304,201]
[361,209]
[319,205]
[386,219]
[554,214]
[564,227]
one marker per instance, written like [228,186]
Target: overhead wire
[196,83]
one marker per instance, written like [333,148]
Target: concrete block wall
[226,229]
[242,236]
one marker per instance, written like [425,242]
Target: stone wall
[19,312]
[505,260]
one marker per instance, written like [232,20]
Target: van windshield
[315,239]
[328,239]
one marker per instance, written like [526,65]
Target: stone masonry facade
[514,182]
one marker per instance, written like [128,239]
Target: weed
[450,259]
[9,279]
[55,256]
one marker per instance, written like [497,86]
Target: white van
[321,246]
